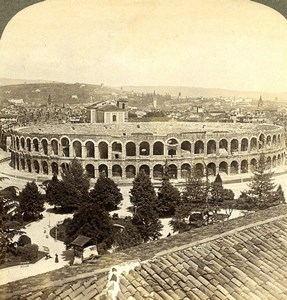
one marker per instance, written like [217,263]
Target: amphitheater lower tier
[122,150]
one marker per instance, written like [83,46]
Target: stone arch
[234,145]
[244,145]
[211,147]
[55,168]
[253,144]
[17,159]
[117,171]
[36,144]
[103,170]
[22,142]
[279,161]
[22,162]
[261,141]
[130,149]
[268,162]
[274,161]
[36,166]
[185,170]
[45,167]
[186,148]
[234,167]
[44,144]
[77,148]
[29,165]
[28,143]
[244,166]
[199,169]
[65,146]
[268,141]
[144,148]
[145,169]
[90,170]
[172,145]
[90,150]
[211,169]
[17,143]
[223,146]
[103,150]
[64,167]
[117,149]
[157,171]
[223,167]
[158,148]
[172,171]
[55,147]
[253,164]
[274,140]
[130,171]
[279,139]
[199,147]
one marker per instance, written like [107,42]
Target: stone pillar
[109,152]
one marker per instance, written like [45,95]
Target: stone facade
[121,150]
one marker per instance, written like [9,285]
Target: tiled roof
[244,258]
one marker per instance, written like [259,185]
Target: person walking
[56,258]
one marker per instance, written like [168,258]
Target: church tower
[260,102]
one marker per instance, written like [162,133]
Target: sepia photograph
[143,149]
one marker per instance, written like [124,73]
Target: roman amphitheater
[123,149]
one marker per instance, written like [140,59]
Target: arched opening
[28,143]
[234,146]
[253,144]
[279,139]
[145,169]
[45,167]
[90,150]
[103,170]
[279,161]
[274,140]
[90,170]
[114,118]
[77,147]
[117,171]
[261,141]
[234,167]
[55,147]
[253,164]
[223,147]
[157,171]
[117,150]
[36,166]
[211,147]
[36,145]
[17,143]
[268,141]
[172,171]
[274,161]
[144,148]
[244,166]
[185,148]
[223,167]
[185,170]
[130,149]
[130,171]
[244,145]
[66,147]
[44,145]
[103,150]
[29,165]
[22,142]
[268,162]
[211,169]
[199,147]
[55,168]
[17,162]
[22,161]
[158,148]
[199,169]
[64,167]
[172,145]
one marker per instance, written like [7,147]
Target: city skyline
[238,44]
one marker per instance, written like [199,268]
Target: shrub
[28,252]
[24,240]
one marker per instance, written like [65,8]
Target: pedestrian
[56,258]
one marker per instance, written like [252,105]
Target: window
[114,118]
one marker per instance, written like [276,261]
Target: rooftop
[238,259]
[152,128]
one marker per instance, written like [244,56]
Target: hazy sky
[234,44]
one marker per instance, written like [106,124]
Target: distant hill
[204,92]
[60,92]
[9,81]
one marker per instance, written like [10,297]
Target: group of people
[56,257]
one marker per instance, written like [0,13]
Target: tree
[144,199]
[92,221]
[261,189]
[279,196]
[106,193]
[31,202]
[168,198]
